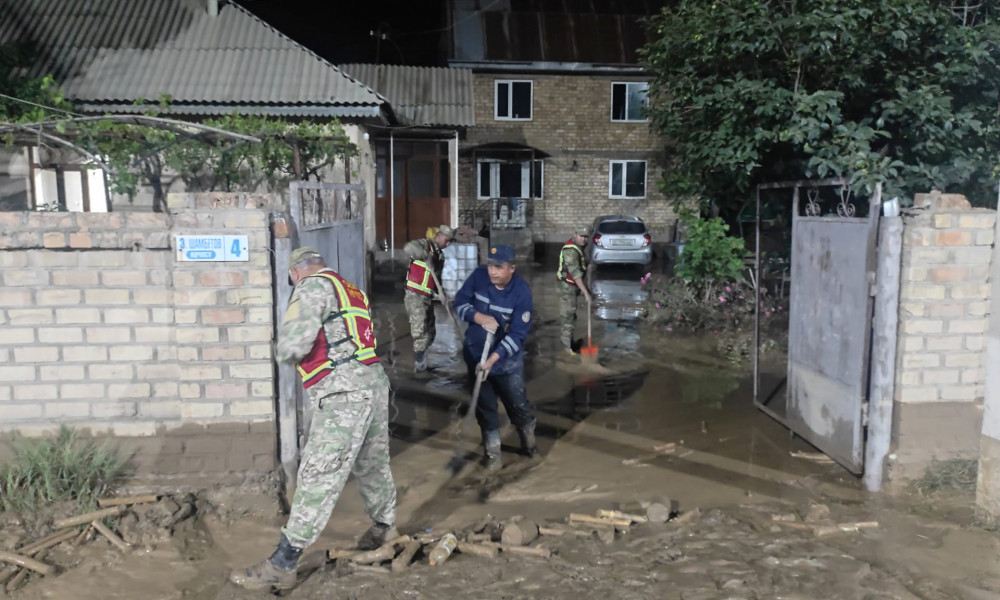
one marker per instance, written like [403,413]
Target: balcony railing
[500,213]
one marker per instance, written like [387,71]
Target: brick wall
[943,317]
[105,330]
[571,121]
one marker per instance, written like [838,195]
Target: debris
[402,562]
[341,554]
[371,569]
[550,531]
[443,549]
[656,512]
[704,427]
[185,511]
[520,533]
[530,551]
[87,517]
[481,550]
[111,535]
[844,528]
[787,518]
[578,518]
[142,499]
[614,514]
[25,562]
[386,552]
[479,537]
[658,450]
[687,517]
[816,457]
[817,512]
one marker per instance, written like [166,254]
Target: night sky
[338,30]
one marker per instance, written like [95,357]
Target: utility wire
[455,24]
[35,104]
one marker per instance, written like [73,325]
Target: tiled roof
[421,95]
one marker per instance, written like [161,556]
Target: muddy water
[661,417]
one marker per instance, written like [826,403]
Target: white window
[512,100]
[499,179]
[628,179]
[628,101]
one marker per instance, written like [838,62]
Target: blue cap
[500,254]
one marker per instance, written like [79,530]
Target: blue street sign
[212,248]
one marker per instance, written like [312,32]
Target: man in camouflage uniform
[327,333]
[426,254]
[572,268]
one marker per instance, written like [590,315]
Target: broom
[589,352]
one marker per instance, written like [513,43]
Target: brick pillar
[988,488]
[944,303]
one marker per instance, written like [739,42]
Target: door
[421,189]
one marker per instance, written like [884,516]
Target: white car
[620,239]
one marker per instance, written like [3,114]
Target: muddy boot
[529,446]
[376,536]
[491,454]
[277,572]
[419,362]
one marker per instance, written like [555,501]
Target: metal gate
[833,264]
[330,218]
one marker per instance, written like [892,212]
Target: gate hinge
[872,287]
[864,414]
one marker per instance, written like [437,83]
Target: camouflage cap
[301,254]
[447,231]
[582,230]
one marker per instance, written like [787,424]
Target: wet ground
[752,515]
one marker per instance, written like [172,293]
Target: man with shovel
[497,304]
[426,261]
[572,268]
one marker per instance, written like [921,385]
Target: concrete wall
[103,329]
[571,121]
[943,314]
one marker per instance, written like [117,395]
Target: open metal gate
[833,262]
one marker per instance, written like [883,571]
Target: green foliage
[62,468]
[902,92]
[709,254]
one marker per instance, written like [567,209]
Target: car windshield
[621,227]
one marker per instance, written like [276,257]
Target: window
[509,179]
[513,100]
[628,179]
[628,101]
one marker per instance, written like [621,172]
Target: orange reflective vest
[355,312]
[418,278]
[563,273]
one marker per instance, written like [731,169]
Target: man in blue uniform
[494,299]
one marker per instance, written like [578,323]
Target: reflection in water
[618,294]
[594,394]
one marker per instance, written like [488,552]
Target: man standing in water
[494,299]
[572,269]
[327,333]
[425,255]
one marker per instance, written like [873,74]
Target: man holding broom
[426,261]
[495,300]
[572,268]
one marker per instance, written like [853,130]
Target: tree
[903,92]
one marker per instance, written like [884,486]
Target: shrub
[60,468]
[709,254]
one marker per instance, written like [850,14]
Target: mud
[661,417]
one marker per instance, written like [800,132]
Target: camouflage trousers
[420,309]
[568,296]
[349,434]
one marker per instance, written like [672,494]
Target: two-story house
[561,134]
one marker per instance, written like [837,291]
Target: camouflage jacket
[426,250]
[312,301]
[572,262]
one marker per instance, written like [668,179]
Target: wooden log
[478,537]
[83,535]
[844,528]
[615,514]
[658,512]
[386,552]
[529,550]
[17,580]
[185,511]
[550,531]
[399,541]
[578,518]
[26,562]
[142,499]
[111,535]
[687,517]
[371,569]
[341,554]
[520,533]
[481,524]
[88,517]
[481,550]
[7,573]
[556,529]
[47,542]
[402,562]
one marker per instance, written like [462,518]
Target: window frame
[495,177]
[510,99]
[626,84]
[624,163]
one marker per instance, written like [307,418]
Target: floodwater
[660,418]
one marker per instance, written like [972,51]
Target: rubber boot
[419,362]
[529,446]
[276,572]
[491,453]
[376,536]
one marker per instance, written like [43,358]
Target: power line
[35,104]
[455,24]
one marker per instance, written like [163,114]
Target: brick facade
[944,303]
[571,122]
[105,330]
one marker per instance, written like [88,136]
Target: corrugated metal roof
[421,95]
[117,51]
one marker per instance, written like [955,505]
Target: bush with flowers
[711,293]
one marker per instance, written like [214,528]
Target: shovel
[457,461]
[589,352]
